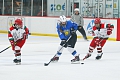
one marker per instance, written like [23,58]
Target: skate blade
[18,63]
[97,59]
[76,62]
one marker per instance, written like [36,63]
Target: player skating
[17,35]
[101,33]
[67,30]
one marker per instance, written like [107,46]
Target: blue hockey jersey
[64,31]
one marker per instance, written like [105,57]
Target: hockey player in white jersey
[100,32]
[17,35]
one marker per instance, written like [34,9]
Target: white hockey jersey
[103,31]
[16,34]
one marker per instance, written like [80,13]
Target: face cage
[97,25]
[61,23]
[17,26]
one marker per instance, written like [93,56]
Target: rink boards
[46,26]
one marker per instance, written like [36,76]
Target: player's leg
[71,45]
[58,54]
[99,49]
[17,54]
[17,50]
[91,48]
[59,51]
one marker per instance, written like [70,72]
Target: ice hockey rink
[39,50]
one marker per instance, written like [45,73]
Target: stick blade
[45,64]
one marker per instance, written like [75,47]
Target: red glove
[25,36]
[109,31]
[12,43]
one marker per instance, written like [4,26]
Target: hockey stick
[5,49]
[46,64]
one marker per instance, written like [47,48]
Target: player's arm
[25,35]
[110,28]
[60,33]
[91,31]
[74,28]
[10,37]
[26,30]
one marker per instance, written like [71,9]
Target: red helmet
[97,21]
[18,21]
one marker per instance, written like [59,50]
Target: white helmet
[76,9]
[63,18]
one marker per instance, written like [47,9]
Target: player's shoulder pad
[70,22]
[94,28]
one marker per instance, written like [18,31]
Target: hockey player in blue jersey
[67,30]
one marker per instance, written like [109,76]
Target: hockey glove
[109,31]
[25,36]
[12,43]
[63,43]
[79,27]
[72,31]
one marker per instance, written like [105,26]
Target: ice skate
[98,57]
[76,60]
[17,61]
[87,56]
[55,59]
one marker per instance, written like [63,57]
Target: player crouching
[101,33]
[17,35]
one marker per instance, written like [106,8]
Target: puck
[82,63]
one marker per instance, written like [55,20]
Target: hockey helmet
[62,18]
[18,22]
[97,21]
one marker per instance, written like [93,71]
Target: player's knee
[17,49]
[91,49]
[99,50]
[70,49]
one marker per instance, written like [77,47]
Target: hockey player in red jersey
[17,35]
[100,32]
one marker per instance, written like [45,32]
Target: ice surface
[39,50]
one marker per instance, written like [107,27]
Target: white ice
[39,50]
